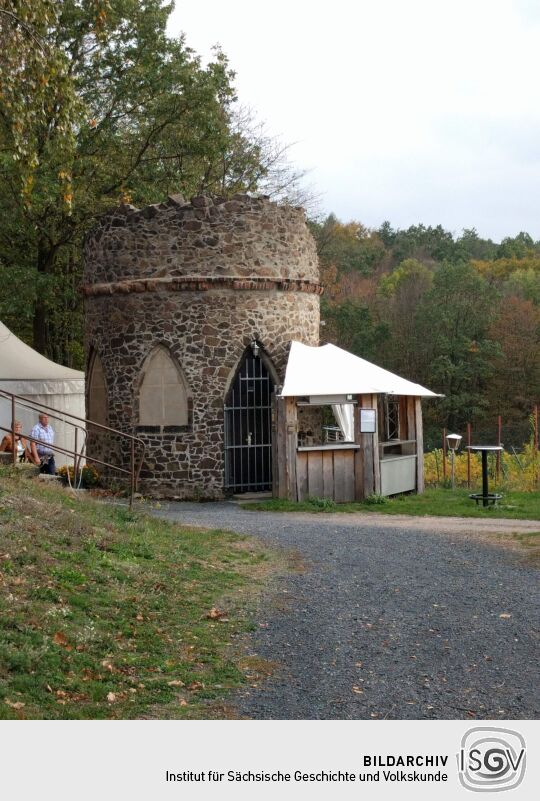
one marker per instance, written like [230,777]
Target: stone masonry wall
[249,271]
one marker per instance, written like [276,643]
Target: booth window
[322,424]
[97,392]
[163,396]
[389,414]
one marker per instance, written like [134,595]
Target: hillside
[105,613]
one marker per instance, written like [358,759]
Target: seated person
[21,445]
[41,452]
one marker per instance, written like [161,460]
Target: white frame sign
[368,421]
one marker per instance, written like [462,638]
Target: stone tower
[189,312]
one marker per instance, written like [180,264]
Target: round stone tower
[189,312]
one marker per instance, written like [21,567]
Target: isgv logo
[491,759]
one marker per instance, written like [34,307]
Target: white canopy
[330,371]
[25,372]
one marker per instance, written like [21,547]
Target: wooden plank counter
[326,471]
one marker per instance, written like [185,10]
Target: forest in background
[98,105]
[460,315]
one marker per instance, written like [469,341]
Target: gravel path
[393,618]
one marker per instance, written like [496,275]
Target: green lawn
[105,613]
[440,502]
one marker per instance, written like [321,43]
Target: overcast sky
[403,110]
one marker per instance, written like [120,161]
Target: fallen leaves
[60,639]
[14,704]
[357,690]
[505,616]
[217,614]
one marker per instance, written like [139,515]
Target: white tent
[330,371]
[25,372]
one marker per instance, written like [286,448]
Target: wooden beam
[315,474]
[366,442]
[411,425]
[340,468]
[358,455]
[291,423]
[328,475]
[302,476]
[275,466]
[376,461]
[419,446]
[281,449]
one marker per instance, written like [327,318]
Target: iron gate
[248,428]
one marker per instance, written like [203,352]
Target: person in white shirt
[21,445]
[42,453]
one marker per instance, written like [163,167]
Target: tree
[401,294]
[350,246]
[144,119]
[456,352]
[516,382]
[351,326]
[517,247]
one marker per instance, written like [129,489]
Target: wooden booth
[346,429]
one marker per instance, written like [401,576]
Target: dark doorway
[248,426]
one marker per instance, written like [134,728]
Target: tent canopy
[329,370]
[25,372]
[19,362]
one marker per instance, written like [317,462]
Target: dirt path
[394,617]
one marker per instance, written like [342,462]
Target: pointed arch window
[163,396]
[98,402]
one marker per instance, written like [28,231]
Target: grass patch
[438,502]
[531,542]
[107,613]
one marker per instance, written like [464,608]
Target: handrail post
[13,448]
[76,458]
[36,406]
[132,473]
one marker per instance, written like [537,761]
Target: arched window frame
[93,360]
[263,355]
[172,428]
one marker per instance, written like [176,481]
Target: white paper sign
[368,421]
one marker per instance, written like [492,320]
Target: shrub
[89,475]
[376,500]
[322,503]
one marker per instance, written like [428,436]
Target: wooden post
[411,432]
[498,463]
[419,426]
[281,450]
[367,444]
[273,429]
[358,454]
[469,442]
[376,461]
[291,444]
[444,454]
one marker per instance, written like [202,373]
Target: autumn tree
[515,387]
[455,349]
[400,295]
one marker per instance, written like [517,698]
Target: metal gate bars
[248,428]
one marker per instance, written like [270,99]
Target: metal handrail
[133,472]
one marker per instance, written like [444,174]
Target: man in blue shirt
[42,453]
